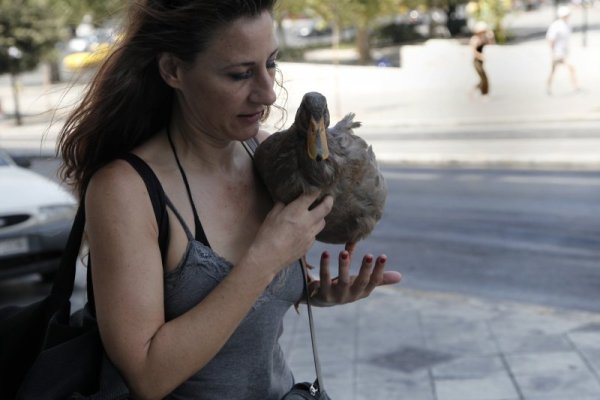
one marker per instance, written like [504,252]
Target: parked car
[36,215]
[88,58]
[89,51]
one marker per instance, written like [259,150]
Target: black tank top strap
[157,196]
[199,231]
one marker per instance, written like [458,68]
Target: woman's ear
[168,65]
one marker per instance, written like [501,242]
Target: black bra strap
[251,145]
[199,231]
[187,231]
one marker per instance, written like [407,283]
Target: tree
[492,12]
[28,31]
[359,14]
[100,11]
[367,13]
[72,13]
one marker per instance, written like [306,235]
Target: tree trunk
[363,46]
[15,88]
[54,72]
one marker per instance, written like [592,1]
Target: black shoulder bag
[47,353]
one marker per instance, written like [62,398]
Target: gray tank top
[251,365]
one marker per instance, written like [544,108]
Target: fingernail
[325,255]
[382,259]
[344,255]
[369,258]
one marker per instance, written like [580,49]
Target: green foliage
[30,28]
[359,14]
[101,11]
[344,13]
[492,12]
[35,27]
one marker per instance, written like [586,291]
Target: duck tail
[347,123]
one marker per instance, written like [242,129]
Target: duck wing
[359,188]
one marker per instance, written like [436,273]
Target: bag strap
[318,386]
[62,287]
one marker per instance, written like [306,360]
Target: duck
[311,155]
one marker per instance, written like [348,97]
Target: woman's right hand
[289,231]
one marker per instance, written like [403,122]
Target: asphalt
[421,345]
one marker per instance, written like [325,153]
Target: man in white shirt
[558,36]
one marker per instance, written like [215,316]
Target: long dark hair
[127,101]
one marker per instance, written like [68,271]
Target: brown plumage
[309,154]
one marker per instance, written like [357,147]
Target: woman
[189,82]
[482,36]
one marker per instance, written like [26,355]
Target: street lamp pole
[585,22]
[14,55]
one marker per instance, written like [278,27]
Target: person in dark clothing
[482,36]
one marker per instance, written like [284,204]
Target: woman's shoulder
[119,174]
[116,183]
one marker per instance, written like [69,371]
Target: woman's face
[224,93]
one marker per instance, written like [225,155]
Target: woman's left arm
[347,288]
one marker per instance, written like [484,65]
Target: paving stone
[459,335]
[410,359]
[374,383]
[470,367]
[517,341]
[555,374]
[587,344]
[493,387]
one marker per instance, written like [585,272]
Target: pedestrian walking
[558,36]
[193,308]
[482,36]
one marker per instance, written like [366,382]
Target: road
[531,236]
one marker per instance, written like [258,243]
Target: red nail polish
[325,255]
[344,255]
[369,258]
[382,259]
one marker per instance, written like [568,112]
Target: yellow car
[87,59]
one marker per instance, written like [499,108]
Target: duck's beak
[317,140]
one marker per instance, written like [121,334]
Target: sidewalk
[402,344]
[415,345]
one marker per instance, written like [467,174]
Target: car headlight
[56,213]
